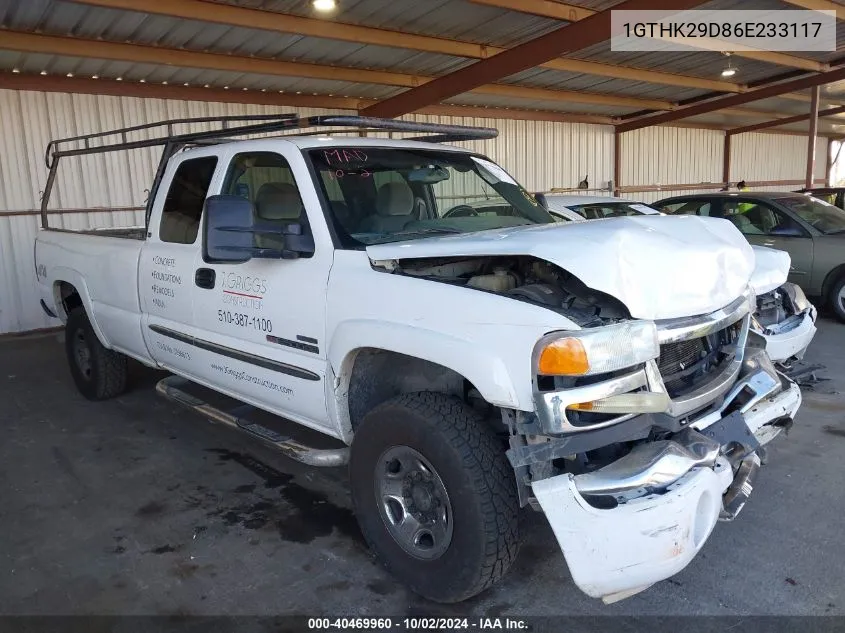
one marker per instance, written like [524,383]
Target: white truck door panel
[260,326]
[166,270]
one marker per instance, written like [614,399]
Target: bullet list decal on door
[243,291]
[164,282]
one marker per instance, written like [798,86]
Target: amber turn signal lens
[564,357]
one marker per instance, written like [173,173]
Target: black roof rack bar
[261,123]
[273,121]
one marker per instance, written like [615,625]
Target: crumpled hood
[660,267]
[771,268]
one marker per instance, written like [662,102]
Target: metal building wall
[658,156]
[541,155]
[758,156]
[664,156]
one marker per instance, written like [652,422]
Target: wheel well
[832,277]
[67,296]
[378,375]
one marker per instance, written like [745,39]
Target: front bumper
[792,339]
[617,552]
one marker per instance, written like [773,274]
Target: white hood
[771,268]
[660,267]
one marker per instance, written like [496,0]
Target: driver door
[262,322]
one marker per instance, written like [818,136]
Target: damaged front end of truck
[658,436]
[652,410]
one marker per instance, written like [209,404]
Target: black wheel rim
[413,503]
[82,354]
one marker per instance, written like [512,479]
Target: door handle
[205,278]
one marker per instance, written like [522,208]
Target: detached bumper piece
[644,517]
[790,339]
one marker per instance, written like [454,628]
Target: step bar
[172,388]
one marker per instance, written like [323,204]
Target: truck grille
[685,365]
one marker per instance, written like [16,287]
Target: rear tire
[836,299]
[99,373]
[457,504]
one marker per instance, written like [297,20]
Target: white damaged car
[784,316]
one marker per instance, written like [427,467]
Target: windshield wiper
[428,229]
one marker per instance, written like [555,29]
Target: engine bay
[523,278]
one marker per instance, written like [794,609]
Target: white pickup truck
[469,360]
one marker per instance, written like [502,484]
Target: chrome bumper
[655,466]
[551,406]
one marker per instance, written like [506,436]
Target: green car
[811,230]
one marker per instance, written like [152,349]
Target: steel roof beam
[567,39]
[735,100]
[293,24]
[558,11]
[140,53]
[111,87]
[785,121]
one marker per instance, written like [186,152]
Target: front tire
[837,298]
[435,495]
[99,373]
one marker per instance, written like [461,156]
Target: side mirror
[230,233]
[228,236]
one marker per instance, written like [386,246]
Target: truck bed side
[100,272]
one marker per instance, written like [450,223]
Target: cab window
[180,216]
[266,180]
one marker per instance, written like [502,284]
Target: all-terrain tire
[470,461]
[836,298]
[99,373]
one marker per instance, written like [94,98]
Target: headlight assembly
[597,351]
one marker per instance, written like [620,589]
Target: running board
[172,389]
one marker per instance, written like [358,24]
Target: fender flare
[486,371]
[75,279]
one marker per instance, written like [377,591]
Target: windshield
[597,211]
[819,214]
[379,194]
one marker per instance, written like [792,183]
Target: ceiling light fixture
[70,74]
[324,6]
[95,76]
[43,72]
[730,70]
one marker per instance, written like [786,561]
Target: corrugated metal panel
[669,155]
[450,19]
[758,156]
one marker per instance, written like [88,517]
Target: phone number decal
[244,320]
